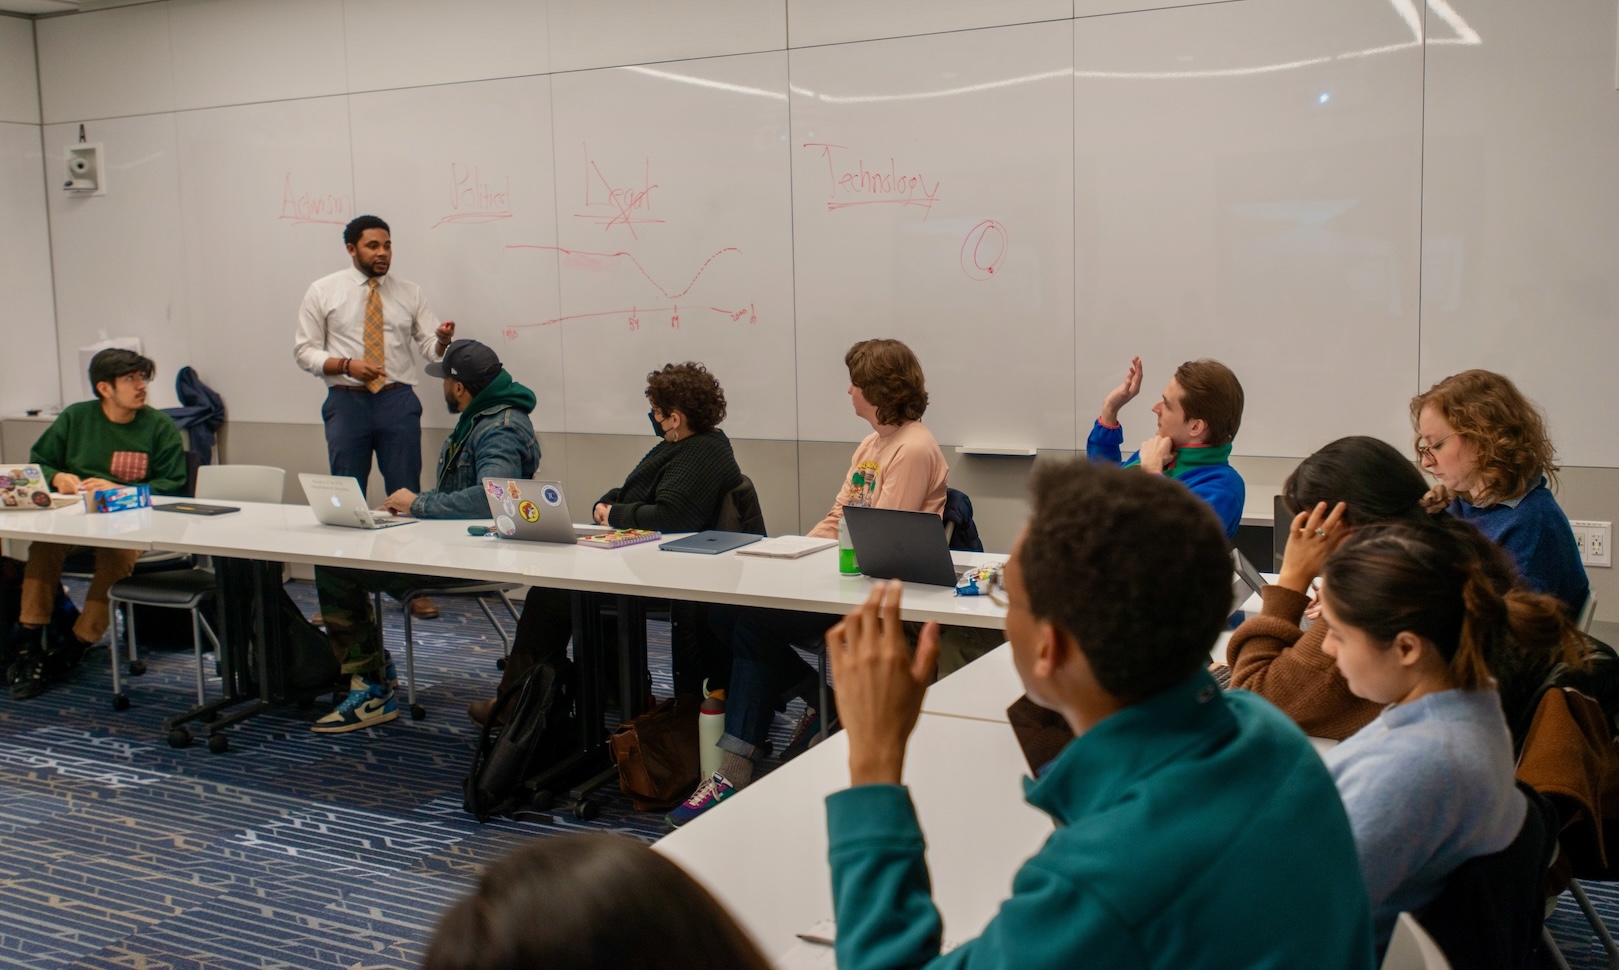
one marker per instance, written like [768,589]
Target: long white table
[288,533]
[763,852]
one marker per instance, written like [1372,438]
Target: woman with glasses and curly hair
[1487,447]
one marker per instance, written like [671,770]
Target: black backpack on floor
[539,729]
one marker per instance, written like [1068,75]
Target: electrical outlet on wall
[1594,538]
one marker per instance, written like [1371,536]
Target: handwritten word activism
[474,200]
[608,205]
[858,185]
[305,207]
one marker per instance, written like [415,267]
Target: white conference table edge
[265,531]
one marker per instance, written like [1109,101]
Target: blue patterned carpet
[291,850]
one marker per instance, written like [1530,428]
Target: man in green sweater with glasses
[113,440]
[1193,828]
[493,438]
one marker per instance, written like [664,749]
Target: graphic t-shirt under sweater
[83,442]
[894,468]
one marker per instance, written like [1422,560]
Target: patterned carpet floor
[292,849]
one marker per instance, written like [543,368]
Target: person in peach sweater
[897,466]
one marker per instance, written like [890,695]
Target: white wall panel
[814,22]
[120,265]
[19,83]
[243,51]
[409,43]
[29,324]
[603,33]
[106,63]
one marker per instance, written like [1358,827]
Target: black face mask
[657,428]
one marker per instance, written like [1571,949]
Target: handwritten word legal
[302,206]
[608,204]
[852,182]
[475,199]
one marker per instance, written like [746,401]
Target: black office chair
[1491,913]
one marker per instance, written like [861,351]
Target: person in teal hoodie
[493,438]
[1194,828]
[1198,417]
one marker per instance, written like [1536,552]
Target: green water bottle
[846,562]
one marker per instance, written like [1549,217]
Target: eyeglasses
[1425,452]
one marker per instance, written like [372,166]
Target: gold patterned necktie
[373,335]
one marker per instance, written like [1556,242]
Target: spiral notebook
[620,538]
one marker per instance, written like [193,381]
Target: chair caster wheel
[542,800]
[218,743]
[586,809]
[500,664]
[137,667]
[417,712]
[120,703]
[179,738]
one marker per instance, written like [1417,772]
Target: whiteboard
[265,192]
[1249,184]
[933,185]
[1028,205]
[467,179]
[25,273]
[119,259]
[674,232]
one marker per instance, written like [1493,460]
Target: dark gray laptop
[908,546]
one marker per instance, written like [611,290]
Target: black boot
[26,672]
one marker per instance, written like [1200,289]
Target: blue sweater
[1215,482]
[1428,785]
[1193,829]
[1536,532]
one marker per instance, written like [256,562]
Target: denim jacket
[501,444]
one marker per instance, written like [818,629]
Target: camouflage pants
[345,603]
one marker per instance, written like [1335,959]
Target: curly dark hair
[690,389]
[1486,408]
[890,377]
[1134,566]
[115,362]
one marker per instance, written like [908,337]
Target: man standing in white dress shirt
[360,330]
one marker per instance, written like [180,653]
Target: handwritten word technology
[474,199]
[854,184]
[304,207]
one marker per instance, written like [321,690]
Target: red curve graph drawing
[577,259]
[634,314]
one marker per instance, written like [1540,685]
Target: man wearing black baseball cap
[494,438]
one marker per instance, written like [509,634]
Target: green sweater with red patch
[83,442]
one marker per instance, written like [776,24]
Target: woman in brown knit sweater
[1349,483]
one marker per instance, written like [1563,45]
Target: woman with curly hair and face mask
[677,487]
[1487,447]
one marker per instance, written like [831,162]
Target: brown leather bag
[657,754]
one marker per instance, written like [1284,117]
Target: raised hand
[1121,395]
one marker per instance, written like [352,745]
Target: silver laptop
[534,511]
[337,500]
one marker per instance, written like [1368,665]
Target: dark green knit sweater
[678,486]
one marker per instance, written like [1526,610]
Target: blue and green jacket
[1205,469]
[493,439]
[1193,829]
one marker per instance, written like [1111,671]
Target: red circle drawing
[983,250]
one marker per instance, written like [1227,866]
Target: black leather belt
[362,387]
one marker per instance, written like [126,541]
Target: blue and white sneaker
[710,793]
[369,703]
